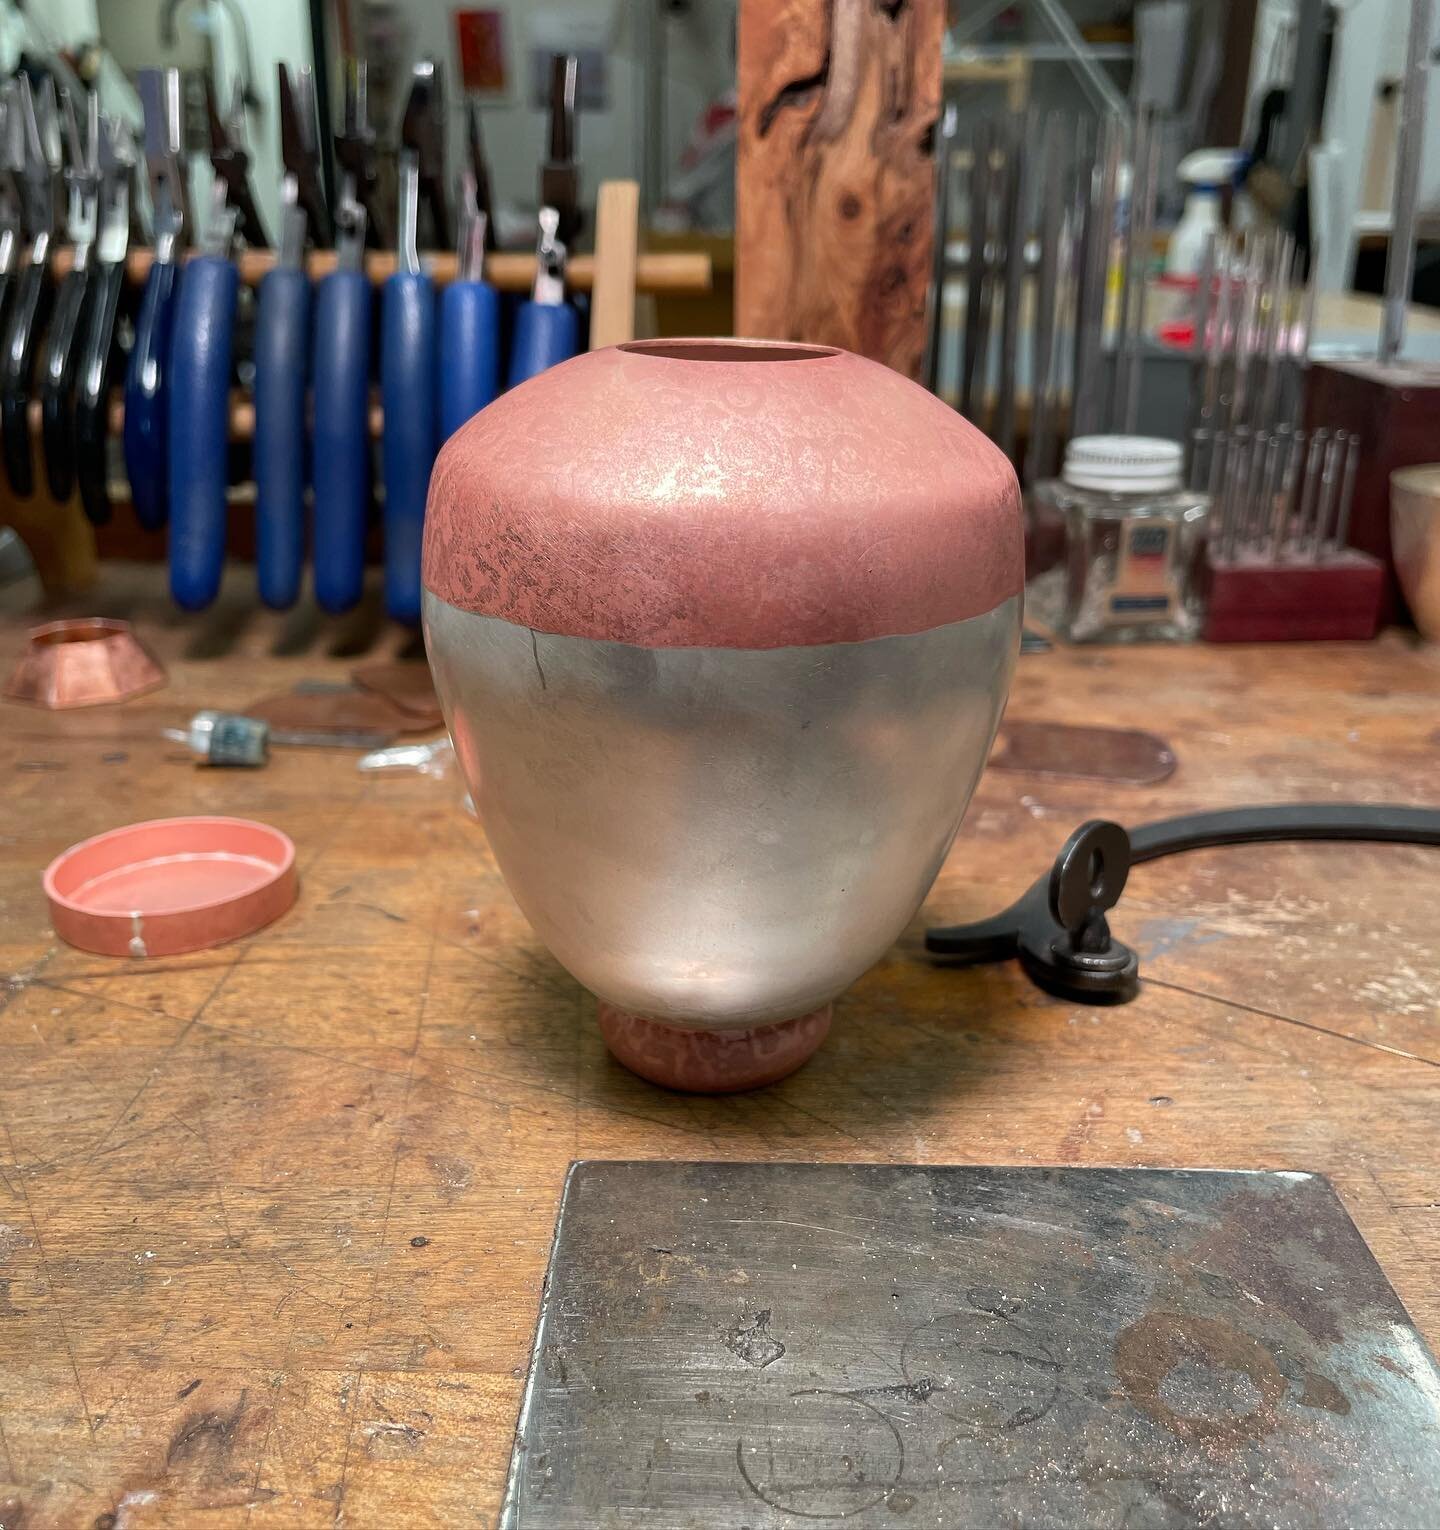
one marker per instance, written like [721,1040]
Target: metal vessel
[722,646]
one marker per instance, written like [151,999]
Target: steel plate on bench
[765,1345]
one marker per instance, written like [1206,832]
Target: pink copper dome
[722,493]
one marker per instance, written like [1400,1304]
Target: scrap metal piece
[766,1345]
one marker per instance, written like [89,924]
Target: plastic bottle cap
[1123,464]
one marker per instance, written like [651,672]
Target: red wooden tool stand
[1393,409]
[1252,600]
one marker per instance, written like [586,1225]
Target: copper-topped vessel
[723,630]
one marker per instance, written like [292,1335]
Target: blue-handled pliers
[33,151]
[547,327]
[282,345]
[148,376]
[343,305]
[198,402]
[201,353]
[469,322]
[282,353]
[408,354]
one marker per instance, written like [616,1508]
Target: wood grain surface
[274,1218]
[835,176]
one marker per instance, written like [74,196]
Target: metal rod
[991,271]
[1329,489]
[1277,317]
[1047,296]
[1347,493]
[1201,443]
[935,325]
[1310,490]
[1244,491]
[975,275]
[1089,405]
[1013,273]
[1275,450]
[1143,185]
[1245,330]
[1255,509]
[1198,343]
[1285,500]
[1237,450]
[1215,338]
[1409,148]
[1219,449]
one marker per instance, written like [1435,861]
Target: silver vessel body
[720,837]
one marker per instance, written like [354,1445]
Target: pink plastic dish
[171,885]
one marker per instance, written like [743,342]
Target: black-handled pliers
[12,201]
[94,372]
[33,152]
[59,352]
[230,158]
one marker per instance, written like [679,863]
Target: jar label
[1144,583]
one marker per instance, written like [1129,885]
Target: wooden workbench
[273,1218]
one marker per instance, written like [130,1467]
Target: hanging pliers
[12,199]
[469,322]
[147,380]
[59,350]
[547,327]
[343,305]
[198,427]
[97,350]
[33,149]
[282,351]
[300,152]
[407,354]
[355,154]
[422,132]
[479,168]
[230,159]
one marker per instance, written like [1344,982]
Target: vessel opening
[728,350]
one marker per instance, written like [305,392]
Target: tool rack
[64,544]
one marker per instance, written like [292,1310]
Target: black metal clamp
[1059,928]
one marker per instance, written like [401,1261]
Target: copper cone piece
[82,663]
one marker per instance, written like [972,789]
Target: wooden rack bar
[684,273]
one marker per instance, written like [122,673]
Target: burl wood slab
[835,189]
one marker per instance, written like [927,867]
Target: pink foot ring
[711,1062]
